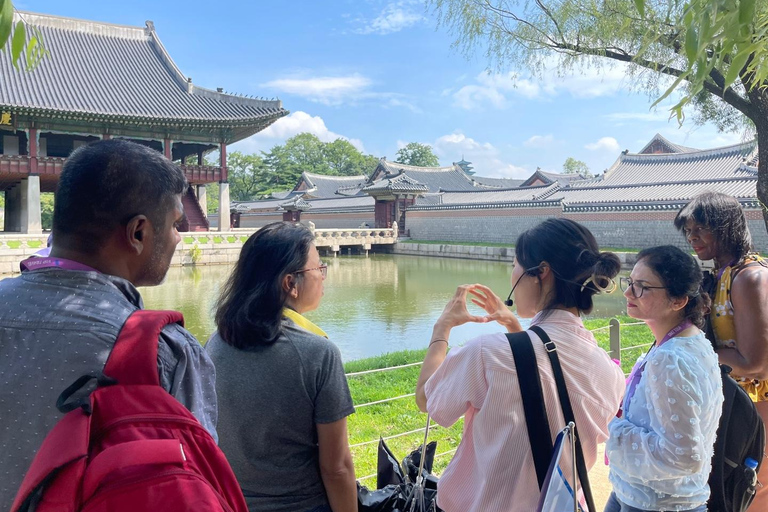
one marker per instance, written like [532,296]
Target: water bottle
[751,472]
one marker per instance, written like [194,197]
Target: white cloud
[336,90]
[484,156]
[654,116]
[285,128]
[498,88]
[393,18]
[539,141]
[329,90]
[604,144]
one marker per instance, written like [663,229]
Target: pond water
[372,305]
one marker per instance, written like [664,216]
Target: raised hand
[456,313]
[495,307]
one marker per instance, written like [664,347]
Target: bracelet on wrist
[436,340]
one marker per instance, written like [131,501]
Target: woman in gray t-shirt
[283,397]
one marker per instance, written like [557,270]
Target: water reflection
[372,305]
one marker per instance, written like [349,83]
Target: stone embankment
[477,252]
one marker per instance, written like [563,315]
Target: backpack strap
[565,403]
[533,402]
[133,359]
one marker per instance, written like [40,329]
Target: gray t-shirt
[56,325]
[270,398]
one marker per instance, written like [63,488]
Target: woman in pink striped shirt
[558,268]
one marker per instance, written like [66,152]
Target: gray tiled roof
[266,204]
[295,203]
[355,203]
[742,188]
[500,196]
[711,164]
[400,183]
[436,178]
[322,186]
[101,71]
[497,182]
[666,143]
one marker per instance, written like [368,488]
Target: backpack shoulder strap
[133,359]
[533,402]
[565,403]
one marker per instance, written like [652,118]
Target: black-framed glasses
[323,268]
[626,282]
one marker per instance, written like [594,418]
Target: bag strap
[536,420]
[565,404]
[133,359]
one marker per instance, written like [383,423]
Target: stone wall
[632,230]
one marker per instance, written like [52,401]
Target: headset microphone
[509,302]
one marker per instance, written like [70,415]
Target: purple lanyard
[36,263]
[637,371]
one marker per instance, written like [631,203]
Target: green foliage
[212,197]
[26,41]
[253,177]
[46,210]
[573,166]
[417,154]
[195,253]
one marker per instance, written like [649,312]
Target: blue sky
[381,74]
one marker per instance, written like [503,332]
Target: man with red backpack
[116,214]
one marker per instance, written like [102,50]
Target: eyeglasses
[697,232]
[323,268]
[626,282]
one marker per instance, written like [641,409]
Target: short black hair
[723,215]
[571,251]
[250,307]
[105,184]
[681,275]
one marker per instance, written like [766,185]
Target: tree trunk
[759,99]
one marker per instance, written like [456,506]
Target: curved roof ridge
[407,167]
[334,176]
[699,153]
[82,25]
[660,138]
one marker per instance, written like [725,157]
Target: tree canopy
[712,52]
[573,166]
[255,176]
[418,154]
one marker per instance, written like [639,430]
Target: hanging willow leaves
[20,38]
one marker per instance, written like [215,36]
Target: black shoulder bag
[536,419]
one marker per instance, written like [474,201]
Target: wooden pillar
[33,142]
[199,158]
[167,146]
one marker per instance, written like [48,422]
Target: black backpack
[740,435]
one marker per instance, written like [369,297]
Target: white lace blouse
[660,452]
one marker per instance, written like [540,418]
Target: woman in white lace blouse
[660,449]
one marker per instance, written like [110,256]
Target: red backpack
[129,446]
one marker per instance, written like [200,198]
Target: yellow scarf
[302,322]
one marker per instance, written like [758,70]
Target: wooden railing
[199,174]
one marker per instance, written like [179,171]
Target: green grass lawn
[402,415]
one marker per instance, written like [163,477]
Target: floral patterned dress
[724,328]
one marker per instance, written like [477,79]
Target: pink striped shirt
[493,470]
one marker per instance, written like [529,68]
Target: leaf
[18,42]
[736,65]
[746,11]
[691,44]
[640,6]
[6,21]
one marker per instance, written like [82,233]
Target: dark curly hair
[723,215]
[681,275]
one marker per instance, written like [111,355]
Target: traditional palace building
[631,205]
[104,81]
